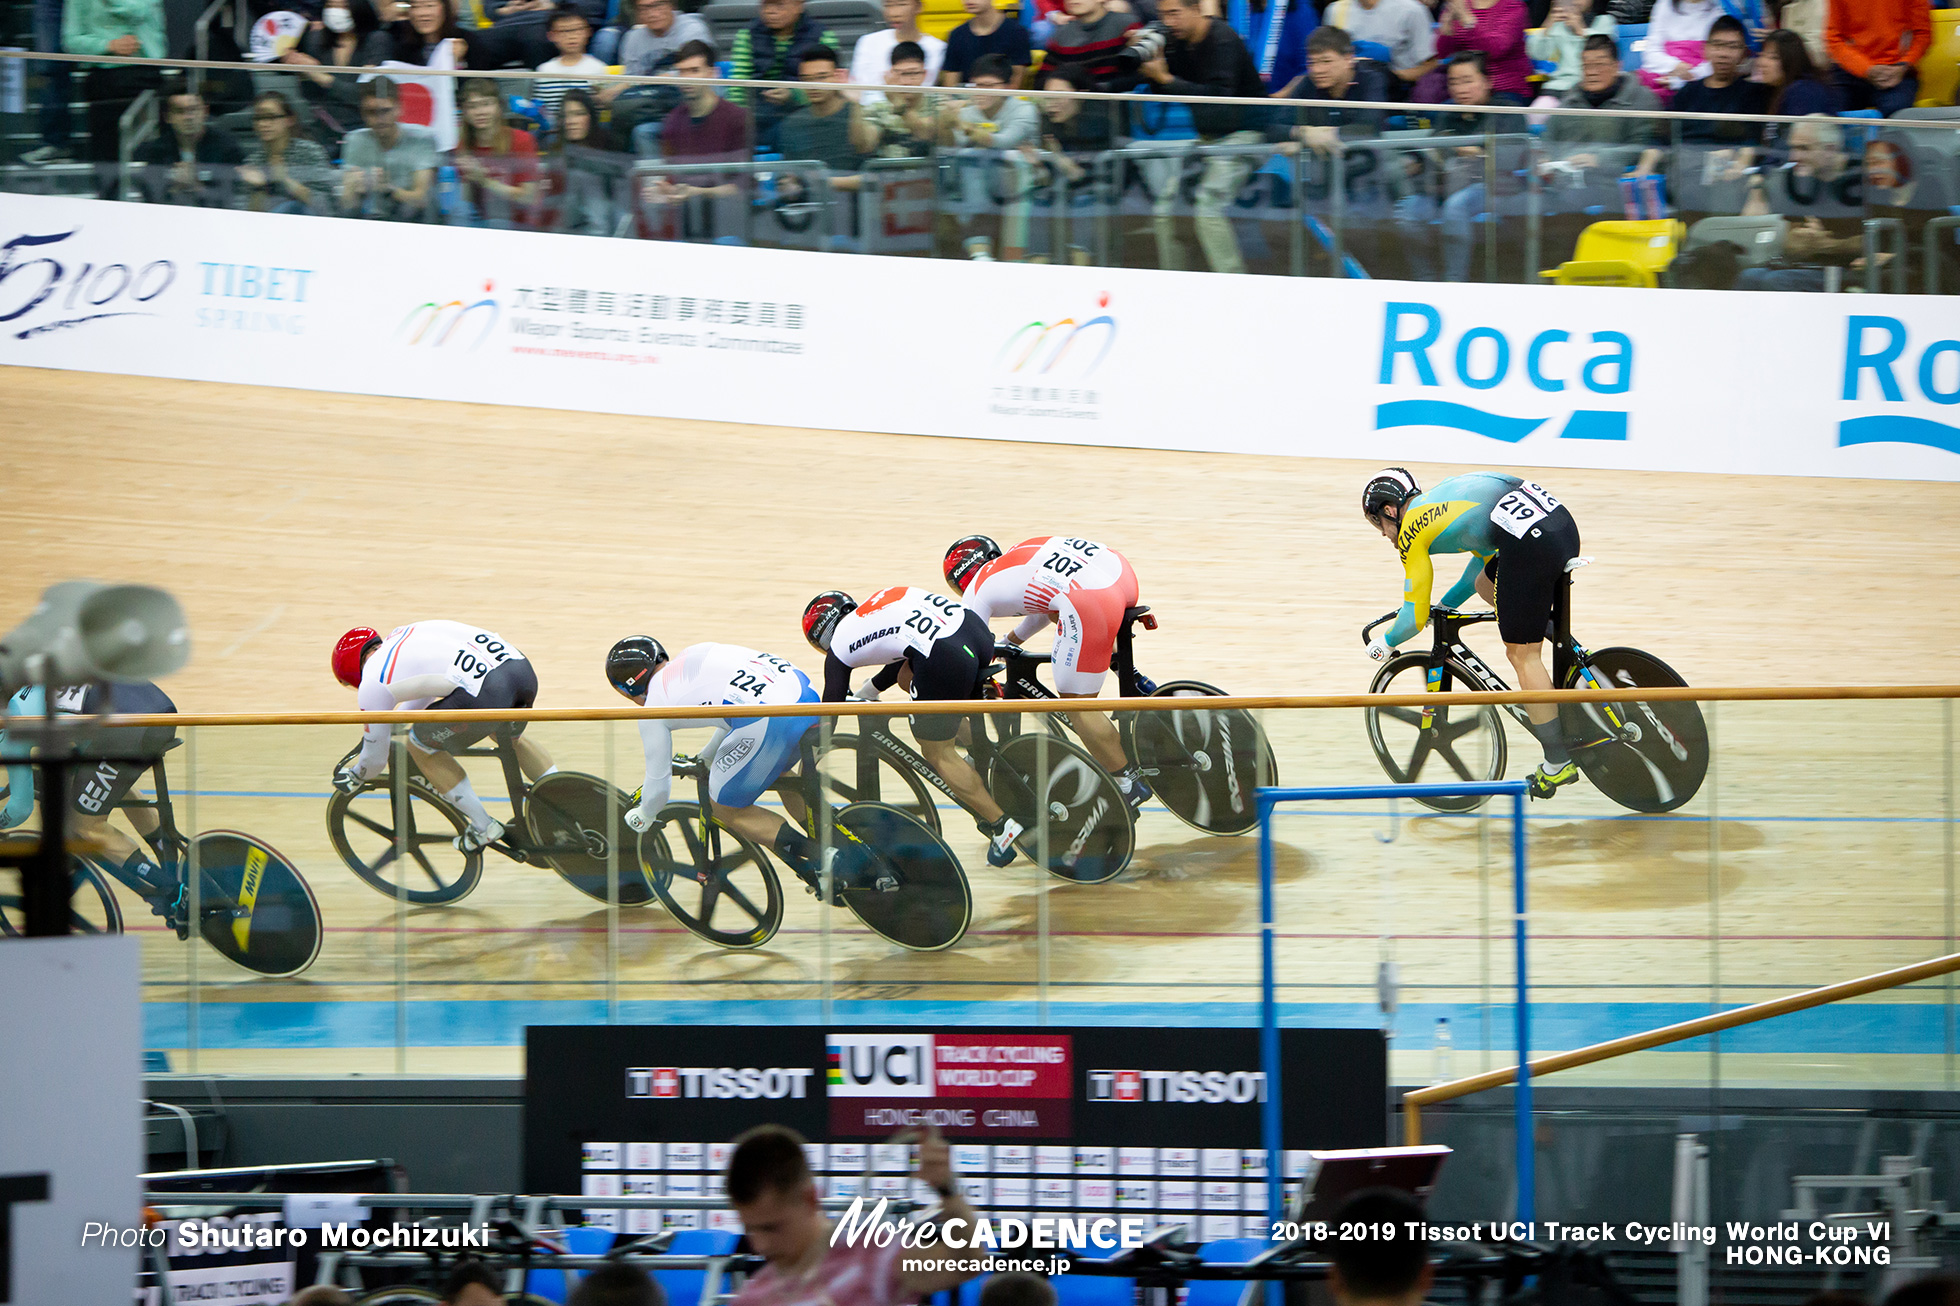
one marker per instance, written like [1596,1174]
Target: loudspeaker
[83,630]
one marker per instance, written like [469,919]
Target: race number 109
[1319,1231]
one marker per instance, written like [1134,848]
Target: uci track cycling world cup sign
[983,1084]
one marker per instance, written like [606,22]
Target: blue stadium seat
[582,1240]
[683,1287]
[1629,35]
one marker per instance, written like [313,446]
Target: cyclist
[93,795]
[747,754]
[442,666]
[1081,586]
[1519,539]
[938,650]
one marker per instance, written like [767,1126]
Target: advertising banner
[1674,380]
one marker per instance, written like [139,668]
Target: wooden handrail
[990,707]
[1413,1102]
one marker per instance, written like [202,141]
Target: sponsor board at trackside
[1695,381]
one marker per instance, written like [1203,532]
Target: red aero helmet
[347,654]
[821,615]
[967,556]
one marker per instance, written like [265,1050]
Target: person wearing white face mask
[346,36]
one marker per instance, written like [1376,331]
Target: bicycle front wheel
[1091,830]
[933,904]
[272,925]
[1650,757]
[92,906]
[1434,745]
[1202,763]
[733,900]
[581,830]
[403,845]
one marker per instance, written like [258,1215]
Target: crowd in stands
[558,152]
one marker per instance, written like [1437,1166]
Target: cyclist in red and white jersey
[442,666]
[937,649]
[1081,586]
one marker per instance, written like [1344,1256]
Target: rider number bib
[1523,508]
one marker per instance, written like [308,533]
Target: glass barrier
[1288,186]
[349,931]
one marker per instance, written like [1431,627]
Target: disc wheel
[267,919]
[568,814]
[1650,757]
[734,900]
[363,829]
[92,906]
[1203,764]
[933,904]
[1434,745]
[1091,830]
[855,769]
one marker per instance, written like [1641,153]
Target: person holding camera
[1189,54]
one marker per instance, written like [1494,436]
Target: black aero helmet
[967,556]
[1390,485]
[632,662]
[821,615]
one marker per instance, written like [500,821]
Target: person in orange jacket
[1876,44]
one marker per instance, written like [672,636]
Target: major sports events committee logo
[1070,347]
[467,323]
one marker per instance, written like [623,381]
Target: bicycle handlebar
[689,766]
[1461,618]
[1004,650]
[1368,631]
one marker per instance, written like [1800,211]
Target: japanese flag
[428,101]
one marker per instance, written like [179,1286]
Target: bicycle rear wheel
[568,812]
[855,769]
[275,926]
[733,901]
[933,904]
[1203,764]
[363,829]
[1091,830]
[92,906]
[1651,757]
[1434,745]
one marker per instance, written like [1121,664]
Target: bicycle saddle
[1141,613]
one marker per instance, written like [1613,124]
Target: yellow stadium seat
[1939,71]
[1620,254]
[940,17]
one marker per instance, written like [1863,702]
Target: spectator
[472,1283]
[584,172]
[995,120]
[703,128]
[1380,1272]
[1402,28]
[1875,45]
[1724,90]
[569,32]
[1818,167]
[1496,28]
[1797,87]
[986,31]
[1333,73]
[346,35]
[830,127]
[431,25]
[656,42]
[1806,19]
[388,168]
[1074,133]
[284,171]
[1290,49]
[1019,1288]
[1673,55]
[1579,144]
[873,55]
[1092,37]
[767,50]
[498,163]
[905,118]
[189,161]
[55,84]
[618,1284]
[321,1294]
[770,1187]
[1204,57]
[126,28]
[1563,37]
[1461,179]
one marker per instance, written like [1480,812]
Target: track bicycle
[254,907]
[403,842]
[1650,757]
[725,887]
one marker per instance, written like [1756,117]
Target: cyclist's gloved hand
[1379,649]
[637,820]
[867,693]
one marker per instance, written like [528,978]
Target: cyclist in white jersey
[932,646]
[442,666]
[1084,588]
[746,756]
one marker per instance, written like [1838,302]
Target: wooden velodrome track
[281,518]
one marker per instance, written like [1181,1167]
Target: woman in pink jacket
[1497,28]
